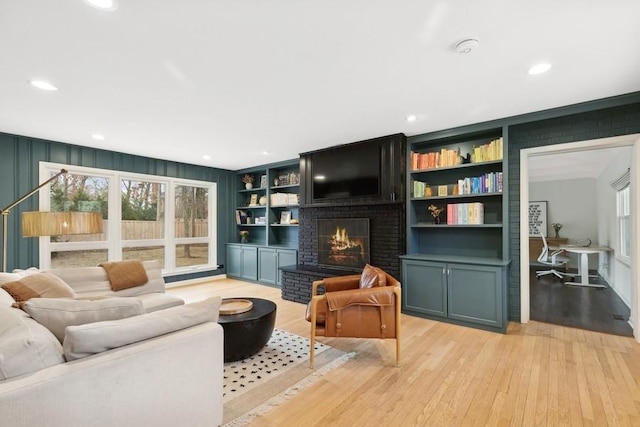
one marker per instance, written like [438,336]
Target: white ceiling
[573,165]
[178,80]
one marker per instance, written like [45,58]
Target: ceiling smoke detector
[467,46]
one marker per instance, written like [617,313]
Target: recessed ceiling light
[98,136]
[206,157]
[266,153]
[543,67]
[467,46]
[41,84]
[412,118]
[103,4]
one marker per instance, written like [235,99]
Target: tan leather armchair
[349,311]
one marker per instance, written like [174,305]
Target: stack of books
[465,213]
[487,152]
[488,183]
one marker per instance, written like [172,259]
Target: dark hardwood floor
[593,309]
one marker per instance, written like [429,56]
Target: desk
[584,252]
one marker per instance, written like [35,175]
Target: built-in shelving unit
[267,213]
[455,268]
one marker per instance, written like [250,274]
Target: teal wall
[19,166]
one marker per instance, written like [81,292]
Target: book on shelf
[488,183]
[435,159]
[420,189]
[284,199]
[241,216]
[465,213]
[487,152]
[490,151]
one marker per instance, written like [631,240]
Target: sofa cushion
[156,301]
[93,281]
[58,313]
[84,340]
[125,274]
[44,285]
[25,345]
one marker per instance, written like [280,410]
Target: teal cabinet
[269,262]
[475,294]
[462,290]
[242,262]
[425,287]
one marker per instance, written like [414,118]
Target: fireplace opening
[343,243]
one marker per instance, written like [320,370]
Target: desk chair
[553,259]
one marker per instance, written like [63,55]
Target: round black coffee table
[246,333]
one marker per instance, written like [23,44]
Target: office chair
[553,259]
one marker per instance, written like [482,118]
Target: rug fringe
[278,400]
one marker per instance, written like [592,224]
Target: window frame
[623,204]
[115,243]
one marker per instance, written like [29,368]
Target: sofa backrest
[93,281]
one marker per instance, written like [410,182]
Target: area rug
[258,384]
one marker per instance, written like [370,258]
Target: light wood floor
[536,374]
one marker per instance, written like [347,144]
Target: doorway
[527,159]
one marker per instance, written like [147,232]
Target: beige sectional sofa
[144,358]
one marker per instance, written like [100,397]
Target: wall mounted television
[349,172]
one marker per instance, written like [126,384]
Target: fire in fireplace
[343,242]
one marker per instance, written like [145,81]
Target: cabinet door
[424,286]
[234,261]
[249,263]
[285,257]
[475,294]
[267,265]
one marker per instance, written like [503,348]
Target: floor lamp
[35,224]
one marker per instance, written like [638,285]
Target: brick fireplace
[386,223]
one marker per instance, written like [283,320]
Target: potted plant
[248,181]
[244,236]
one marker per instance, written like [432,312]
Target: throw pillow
[372,277]
[6,300]
[84,340]
[125,274]
[25,345]
[57,313]
[43,285]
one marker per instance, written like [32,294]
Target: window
[136,216]
[624,221]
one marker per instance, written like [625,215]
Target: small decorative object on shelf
[263,200]
[556,228]
[263,181]
[285,217]
[248,181]
[435,213]
[244,236]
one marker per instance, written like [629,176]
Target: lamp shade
[36,224]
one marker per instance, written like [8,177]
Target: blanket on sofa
[125,274]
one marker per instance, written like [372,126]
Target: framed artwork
[254,200]
[285,217]
[263,181]
[537,219]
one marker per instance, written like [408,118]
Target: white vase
[248,185]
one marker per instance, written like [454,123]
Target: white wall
[574,204]
[615,272]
